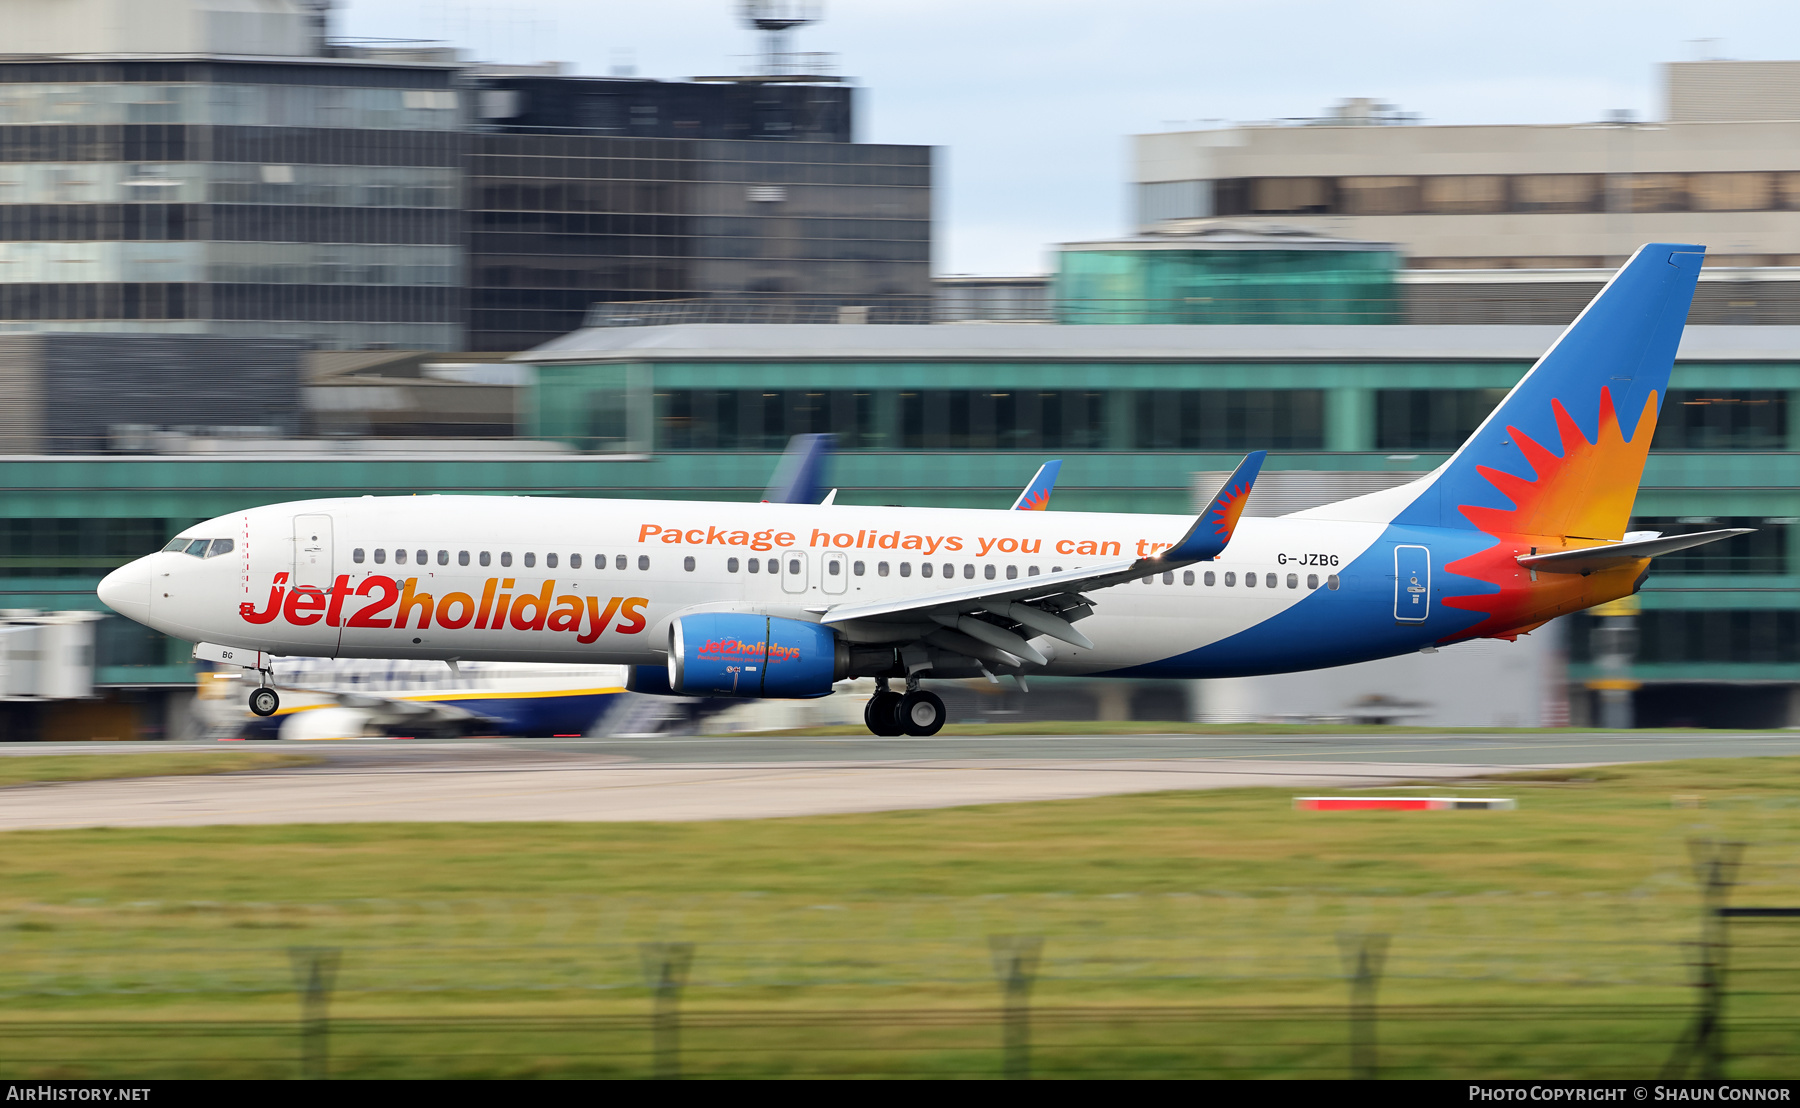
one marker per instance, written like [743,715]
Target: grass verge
[35,769]
[1183,933]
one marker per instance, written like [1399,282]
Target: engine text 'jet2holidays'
[1526,522]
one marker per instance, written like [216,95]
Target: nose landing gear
[264,701]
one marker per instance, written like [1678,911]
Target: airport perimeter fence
[1185,984]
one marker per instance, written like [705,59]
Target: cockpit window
[219,546]
[197,548]
[176,546]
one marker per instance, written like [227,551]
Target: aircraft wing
[1590,558]
[1035,496]
[1049,604]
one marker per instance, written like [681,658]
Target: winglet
[1206,539]
[801,470]
[1036,495]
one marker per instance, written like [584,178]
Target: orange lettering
[633,611]
[597,620]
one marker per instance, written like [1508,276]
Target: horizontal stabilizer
[1591,558]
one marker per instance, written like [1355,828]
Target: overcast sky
[1030,102]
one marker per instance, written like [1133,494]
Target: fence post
[665,971]
[1365,955]
[1015,964]
[315,972]
[1715,871]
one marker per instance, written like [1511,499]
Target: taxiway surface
[696,778]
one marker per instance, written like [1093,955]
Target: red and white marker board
[1398,803]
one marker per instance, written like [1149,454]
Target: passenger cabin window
[424,558]
[1031,571]
[925,569]
[687,563]
[1187,578]
[549,561]
[399,557]
[443,557]
[1269,580]
[530,559]
[1249,581]
[1332,582]
[380,556]
[486,558]
[506,557]
[968,572]
[1293,581]
[832,565]
[357,555]
[857,569]
[881,569]
[794,566]
[731,565]
[1312,581]
[643,561]
[462,557]
[1012,573]
[774,565]
[1169,577]
[619,562]
[987,571]
[756,565]
[906,568]
[574,561]
[1209,579]
[1230,579]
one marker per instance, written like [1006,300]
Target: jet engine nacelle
[740,654]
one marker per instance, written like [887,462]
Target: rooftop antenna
[778,19]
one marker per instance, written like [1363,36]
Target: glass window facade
[1764,551]
[1723,419]
[1128,285]
[1715,635]
[1229,419]
[1478,194]
[52,547]
[310,200]
[558,223]
[1430,419]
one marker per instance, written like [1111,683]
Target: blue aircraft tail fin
[1563,453]
[801,472]
[1035,496]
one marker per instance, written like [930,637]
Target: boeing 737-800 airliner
[1524,523]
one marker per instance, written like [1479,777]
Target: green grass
[1180,727]
[33,769]
[1183,933]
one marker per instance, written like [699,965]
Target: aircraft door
[834,572]
[793,571]
[312,551]
[1412,583]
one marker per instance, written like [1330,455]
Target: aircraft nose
[126,590]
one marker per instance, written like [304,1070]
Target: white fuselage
[597,581]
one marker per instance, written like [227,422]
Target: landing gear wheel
[921,713]
[881,716]
[264,702]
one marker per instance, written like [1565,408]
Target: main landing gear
[917,713]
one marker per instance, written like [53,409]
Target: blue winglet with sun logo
[1036,495]
[1206,539]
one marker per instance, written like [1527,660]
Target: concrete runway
[680,779]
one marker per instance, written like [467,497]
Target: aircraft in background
[1526,522]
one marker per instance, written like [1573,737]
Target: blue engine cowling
[739,654]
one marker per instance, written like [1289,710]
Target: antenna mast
[778,19]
